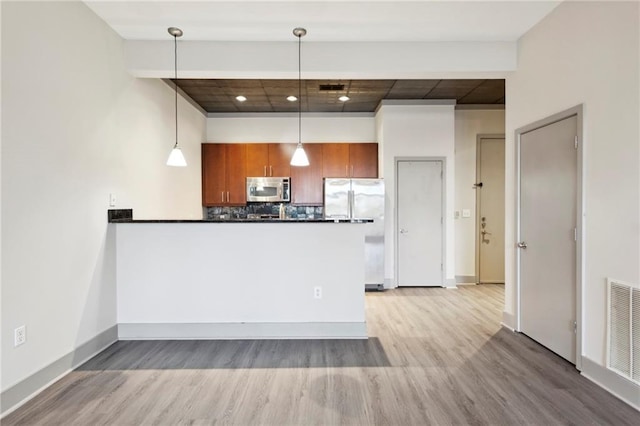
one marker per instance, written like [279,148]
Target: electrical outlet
[112,200]
[317,292]
[19,335]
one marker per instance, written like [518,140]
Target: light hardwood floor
[434,356]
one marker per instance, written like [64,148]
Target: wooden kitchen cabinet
[335,160]
[213,174]
[306,182]
[257,159]
[350,160]
[363,160]
[280,158]
[224,174]
[269,159]
[235,174]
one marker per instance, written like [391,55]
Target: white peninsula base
[240,280]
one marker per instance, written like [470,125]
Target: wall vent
[623,329]
[331,87]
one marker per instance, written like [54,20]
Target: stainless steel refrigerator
[361,199]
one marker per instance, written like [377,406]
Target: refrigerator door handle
[351,204]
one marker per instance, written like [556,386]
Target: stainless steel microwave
[269,189]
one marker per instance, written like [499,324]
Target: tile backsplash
[296,212]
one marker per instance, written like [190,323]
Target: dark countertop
[126,216]
[242,221]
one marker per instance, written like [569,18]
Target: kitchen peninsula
[240,279]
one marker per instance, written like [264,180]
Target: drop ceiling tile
[414,84]
[460,84]
[360,106]
[372,84]
[218,95]
[406,95]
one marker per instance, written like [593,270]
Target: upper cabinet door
[280,158]
[335,160]
[306,182]
[257,159]
[213,174]
[236,174]
[363,159]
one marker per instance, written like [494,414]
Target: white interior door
[420,223]
[490,208]
[548,203]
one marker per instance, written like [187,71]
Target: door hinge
[441,267]
[575,234]
[575,327]
[575,142]
[441,220]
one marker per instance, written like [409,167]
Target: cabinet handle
[351,170]
[265,171]
[227,196]
[270,170]
[222,196]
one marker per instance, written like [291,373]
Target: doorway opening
[490,167]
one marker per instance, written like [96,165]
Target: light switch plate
[466,213]
[456,214]
[112,200]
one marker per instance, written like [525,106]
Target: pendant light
[176,158]
[299,156]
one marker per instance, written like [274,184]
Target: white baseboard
[235,331]
[509,320]
[614,383]
[450,283]
[466,279]
[18,394]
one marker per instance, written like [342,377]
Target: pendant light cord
[299,91]
[175,80]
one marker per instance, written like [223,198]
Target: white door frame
[480,136]
[577,112]
[443,160]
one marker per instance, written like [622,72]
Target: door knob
[403,231]
[489,233]
[522,245]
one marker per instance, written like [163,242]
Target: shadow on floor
[223,354]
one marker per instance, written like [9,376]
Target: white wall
[76,127]
[215,273]
[322,60]
[587,53]
[416,131]
[469,124]
[1,219]
[283,128]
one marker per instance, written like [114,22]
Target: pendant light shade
[176,159]
[299,156]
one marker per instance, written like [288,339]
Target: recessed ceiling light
[240,98]
[343,98]
[292,98]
